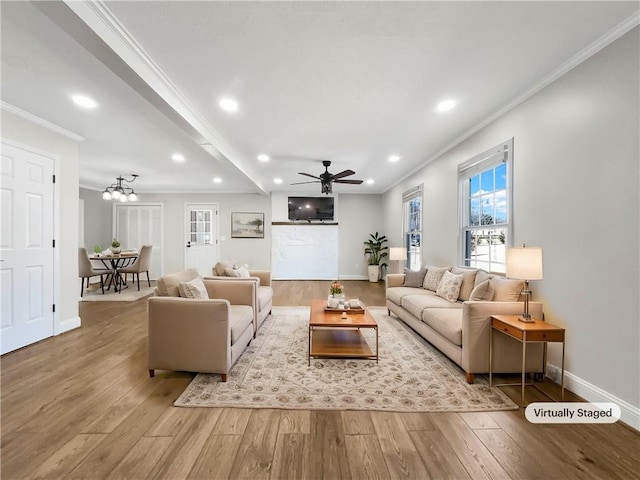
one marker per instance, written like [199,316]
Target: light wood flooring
[82,406]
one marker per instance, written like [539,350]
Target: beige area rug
[129,294]
[412,375]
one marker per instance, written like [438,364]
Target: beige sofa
[460,329]
[263,302]
[198,335]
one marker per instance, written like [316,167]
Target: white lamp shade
[397,253]
[524,263]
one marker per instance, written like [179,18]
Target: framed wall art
[247,225]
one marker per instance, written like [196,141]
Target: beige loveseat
[460,328]
[199,335]
[263,301]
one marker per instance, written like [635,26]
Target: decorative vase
[115,250]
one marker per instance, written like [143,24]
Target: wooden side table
[526,332]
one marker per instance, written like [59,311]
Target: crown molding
[7,107]
[97,16]
[608,38]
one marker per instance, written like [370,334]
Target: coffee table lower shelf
[339,343]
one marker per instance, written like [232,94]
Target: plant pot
[115,250]
[374,273]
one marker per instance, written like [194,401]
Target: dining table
[113,262]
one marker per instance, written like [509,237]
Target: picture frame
[247,225]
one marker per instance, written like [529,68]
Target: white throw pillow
[193,289]
[433,277]
[237,272]
[506,289]
[482,292]
[449,286]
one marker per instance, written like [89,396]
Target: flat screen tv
[310,208]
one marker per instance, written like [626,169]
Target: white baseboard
[68,324]
[353,277]
[630,413]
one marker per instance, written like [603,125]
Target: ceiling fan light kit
[326,179]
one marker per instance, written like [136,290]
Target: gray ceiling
[350,82]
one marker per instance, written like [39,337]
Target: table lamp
[525,264]
[399,254]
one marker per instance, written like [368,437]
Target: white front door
[26,247]
[201,237]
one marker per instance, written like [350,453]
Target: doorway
[201,236]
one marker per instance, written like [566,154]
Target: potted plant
[115,246]
[376,251]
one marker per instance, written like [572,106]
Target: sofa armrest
[394,280]
[236,291]
[263,275]
[476,327]
[189,334]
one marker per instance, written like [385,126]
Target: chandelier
[118,191]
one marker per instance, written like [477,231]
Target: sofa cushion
[433,277]
[468,281]
[240,317]
[265,294]
[506,289]
[415,304]
[449,286]
[396,294]
[446,321]
[414,278]
[169,285]
[193,289]
[483,292]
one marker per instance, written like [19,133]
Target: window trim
[415,192]
[501,153]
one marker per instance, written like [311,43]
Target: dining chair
[141,264]
[86,270]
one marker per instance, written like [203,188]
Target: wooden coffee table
[332,336]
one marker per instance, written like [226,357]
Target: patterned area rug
[412,375]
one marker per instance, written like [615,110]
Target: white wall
[98,224]
[28,133]
[576,195]
[256,252]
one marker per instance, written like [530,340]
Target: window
[485,185]
[412,226]
[200,227]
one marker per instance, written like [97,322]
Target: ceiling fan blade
[308,175]
[344,173]
[302,183]
[351,182]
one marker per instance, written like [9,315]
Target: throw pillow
[482,292]
[482,276]
[220,267]
[413,278]
[449,286]
[193,289]
[237,272]
[433,277]
[506,289]
[468,279]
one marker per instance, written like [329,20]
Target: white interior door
[201,234]
[26,247]
[140,224]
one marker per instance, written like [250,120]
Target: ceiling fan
[326,179]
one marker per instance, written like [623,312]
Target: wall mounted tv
[310,208]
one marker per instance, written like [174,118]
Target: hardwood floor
[81,406]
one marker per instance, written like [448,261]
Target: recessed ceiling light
[263,158]
[84,101]
[177,157]
[228,104]
[370,181]
[217,180]
[394,158]
[277,180]
[446,105]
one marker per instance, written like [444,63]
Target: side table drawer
[543,336]
[508,329]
